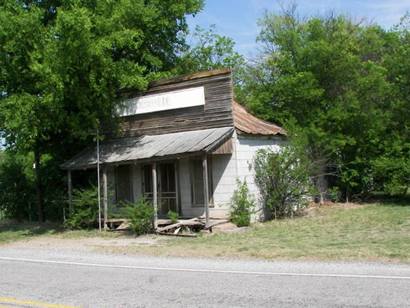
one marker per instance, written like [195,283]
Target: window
[147,181]
[197,183]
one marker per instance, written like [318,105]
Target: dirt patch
[314,209]
[85,244]
[228,228]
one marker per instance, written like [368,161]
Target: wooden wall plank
[217,111]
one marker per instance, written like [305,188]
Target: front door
[167,197]
[167,187]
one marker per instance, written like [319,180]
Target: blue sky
[238,18]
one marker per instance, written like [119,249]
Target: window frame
[192,176]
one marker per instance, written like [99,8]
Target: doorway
[167,186]
[123,183]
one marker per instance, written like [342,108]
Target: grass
[10,231]
[374,232]
[371,232]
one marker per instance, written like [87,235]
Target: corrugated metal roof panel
[249,124]
[145,147]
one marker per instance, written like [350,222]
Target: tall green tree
[328,75]
[392,166]
[209,50]
[63,64]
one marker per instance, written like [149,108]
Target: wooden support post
[177,189]
[70,192]
[155,194]
[105,197]
[206,193]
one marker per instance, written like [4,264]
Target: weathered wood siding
[217,111]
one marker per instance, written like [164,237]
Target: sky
[238,19]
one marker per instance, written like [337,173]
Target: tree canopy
[209,50]
[345,84]
[63,63]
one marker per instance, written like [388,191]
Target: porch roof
[153,147]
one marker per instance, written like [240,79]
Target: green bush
[18,199]
[242,206]
[17,187]
[173,216]
[140,214]
[85,209]
[334,194]
[283,180]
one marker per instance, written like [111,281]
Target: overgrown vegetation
[18,189]
[242,205]
[141,216]
[284,180]
[85,209]
[344,85]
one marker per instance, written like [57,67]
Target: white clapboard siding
[246,150]
[224,176]
[228,168]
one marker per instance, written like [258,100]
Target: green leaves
[242,205]
[70,64]
[63,65]
[283,179]
[210,51]
[345,85]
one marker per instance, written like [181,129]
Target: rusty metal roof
[246,123]
[152,147]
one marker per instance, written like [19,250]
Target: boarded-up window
[197,183]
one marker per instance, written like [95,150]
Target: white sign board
[163,101]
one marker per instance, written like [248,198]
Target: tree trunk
[39,186]
[347,195]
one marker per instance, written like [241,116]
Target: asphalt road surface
[30,278]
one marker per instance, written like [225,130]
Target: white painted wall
[228,168]
[246,149]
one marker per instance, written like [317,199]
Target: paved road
[30,278]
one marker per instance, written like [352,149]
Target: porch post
[155,194]
[105,197]
[70,192]
[206,193]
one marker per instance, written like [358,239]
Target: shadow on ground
[30,229]
[389,200]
